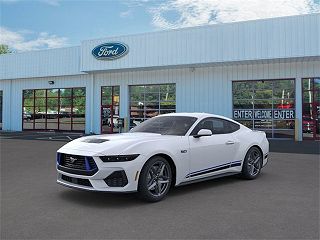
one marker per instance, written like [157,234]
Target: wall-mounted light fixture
[51,82]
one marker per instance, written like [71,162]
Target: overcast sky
[39,24]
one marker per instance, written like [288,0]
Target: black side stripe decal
[225,166]
[235,164]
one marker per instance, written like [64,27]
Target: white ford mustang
[164,151]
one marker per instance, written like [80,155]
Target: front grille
[78,181]
[76,164]
[117,179]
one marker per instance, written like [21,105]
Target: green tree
[4,49]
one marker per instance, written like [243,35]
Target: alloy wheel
[158,178]
[254,162]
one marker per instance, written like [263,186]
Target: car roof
[194,114]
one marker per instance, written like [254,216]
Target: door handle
[229,142]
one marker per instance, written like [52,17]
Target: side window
[233,126]
[216,125]
[219,126]
[204,124]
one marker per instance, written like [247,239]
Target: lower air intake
[117,179]
[78,181]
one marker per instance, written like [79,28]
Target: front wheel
[252,164]
[155,179]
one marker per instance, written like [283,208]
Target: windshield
[166,125]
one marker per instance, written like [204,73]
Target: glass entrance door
[311,108]
[110,99]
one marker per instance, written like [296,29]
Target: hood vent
[95,140]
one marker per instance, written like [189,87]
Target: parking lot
[283,203]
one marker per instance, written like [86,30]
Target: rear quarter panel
[248,138]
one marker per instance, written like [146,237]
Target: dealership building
[263,73]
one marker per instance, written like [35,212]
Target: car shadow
[204,185]
[100,199]
[119,200]
[40,136]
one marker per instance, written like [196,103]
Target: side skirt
[207,178]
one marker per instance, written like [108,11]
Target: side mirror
[203,133]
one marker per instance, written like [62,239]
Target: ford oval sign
[110,51]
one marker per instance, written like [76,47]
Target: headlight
[119,158]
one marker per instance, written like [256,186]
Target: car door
[211,154]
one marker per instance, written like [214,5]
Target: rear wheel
[155,179]
[252,164]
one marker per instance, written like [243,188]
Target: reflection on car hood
[111,143]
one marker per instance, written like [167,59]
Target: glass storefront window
[29,102]
[247,123]
[152,89]
[243,104]
[308,96]
[283,133]
[52,103]
[284,103]
[28,94]
[284,89]
[79,92]
[263,104]
[284,124]
[316,83]
[267,105]
[40,93]
[262,124]
[65,103]
[263,94]
[307,84]
[166,88]
[311,108]
[147,101]
[54,109]
[79,101]
[40,102]
[52,93]
[67,92]
[151,97]
[262,84]
[167,105]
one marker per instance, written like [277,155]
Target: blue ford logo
[110,51]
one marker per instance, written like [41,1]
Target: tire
[155,179]
[252,164]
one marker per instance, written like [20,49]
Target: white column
[89,128]
[6,106]
[124,103]
[299,106]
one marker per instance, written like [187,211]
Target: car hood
[109,144]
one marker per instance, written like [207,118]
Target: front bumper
[99,181]
[265,159]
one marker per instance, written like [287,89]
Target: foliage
[4,49]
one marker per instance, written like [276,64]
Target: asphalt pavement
[283,203]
